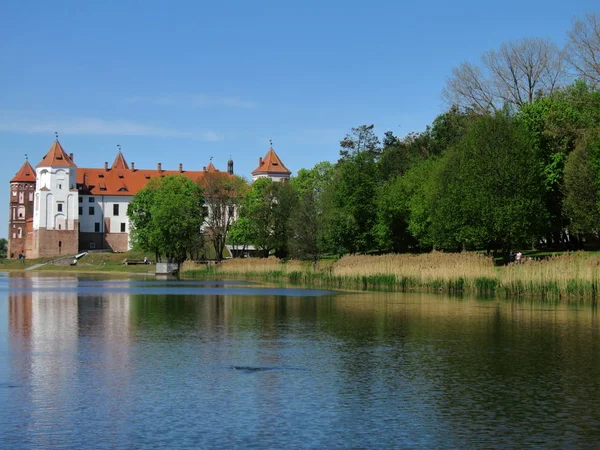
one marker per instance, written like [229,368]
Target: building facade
[61,209]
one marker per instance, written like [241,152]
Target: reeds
[572,276]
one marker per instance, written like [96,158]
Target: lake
[130,363]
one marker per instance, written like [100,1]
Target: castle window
[19,232]
[81,210]
[21,197]
[14,193]
[91,210]
[31,196]
[122,227]
[116,209]
[91,200]
[92,245]
[21,212]
[59,207]
[80,199]
[60,186]
[97,227]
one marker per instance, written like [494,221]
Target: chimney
[159,167]
[71,156]
[85,179]
[132,166]
[259,161]
[106,165]
[180,168]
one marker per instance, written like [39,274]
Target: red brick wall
[49,243]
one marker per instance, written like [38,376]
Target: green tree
[166,217]
[360,139]
[559,123]
[582,190]
[3,247]
[488,192]
[267,207]
[350,204]
[306,221]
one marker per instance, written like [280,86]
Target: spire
[119,162]
[271,163]
[25,174]
[56,157]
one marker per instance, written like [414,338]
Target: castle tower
[55,230]
[230,166]
[22,187]
[271,167]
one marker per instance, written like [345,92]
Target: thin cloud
[193,101]
[93,126]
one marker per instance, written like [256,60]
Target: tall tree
[267,207]
[166,217]
[584,48]
[489,190]
[559,122]
[3,247]
[222,196]
[513,75]
[306,221]
[360,139]
[582,189]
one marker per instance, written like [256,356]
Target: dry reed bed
[573,275]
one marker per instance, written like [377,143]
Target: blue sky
[181,81]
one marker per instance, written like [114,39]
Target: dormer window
[120,175]
[147,177]
[100,175]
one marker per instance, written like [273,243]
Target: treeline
[514,163]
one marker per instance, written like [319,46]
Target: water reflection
[125,363]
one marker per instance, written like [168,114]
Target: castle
[61,209]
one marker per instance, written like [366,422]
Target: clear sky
[182,81]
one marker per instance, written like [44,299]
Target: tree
[513,75]
[360,139]
[166,217]
[306,221]
[582,189]
[488,191]
[584,48]
[222,197]
[267,207]
[350,204]
[559,123]
[3,247]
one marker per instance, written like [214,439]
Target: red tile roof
[271,164]
[56,157]
[120,162]
[26,174]
[121,180]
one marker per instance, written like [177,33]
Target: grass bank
[573,276]
[90,263]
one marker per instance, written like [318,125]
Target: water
[99,363]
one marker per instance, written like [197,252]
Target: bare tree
[222,196]
[584,48]
[515,74]
[469,88]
